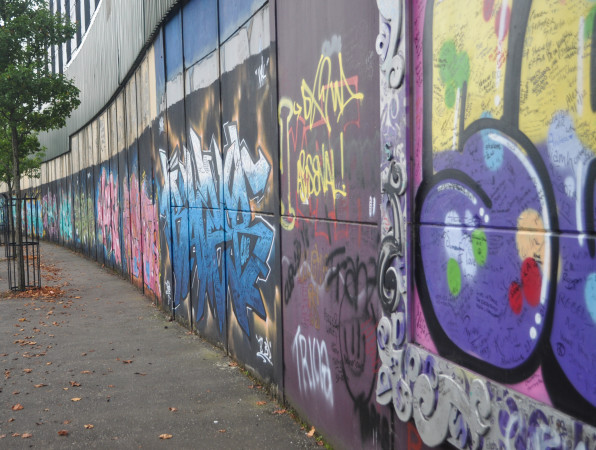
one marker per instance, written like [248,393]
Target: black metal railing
[29,246]
[4,221]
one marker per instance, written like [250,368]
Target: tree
[32,97]
[31,156]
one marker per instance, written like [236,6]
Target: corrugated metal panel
[155,11]
[131,34]
[115,39]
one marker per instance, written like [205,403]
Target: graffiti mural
[503,184]
[329,99]
[107,215]
[50,215]
[331,305]
[319,130]
[205,199]
[246,243]
[385,211]
[150,239]
[65,223]
[250,194]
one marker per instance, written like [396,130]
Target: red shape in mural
[531,281]
[515,297]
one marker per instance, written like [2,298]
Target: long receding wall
[386,211]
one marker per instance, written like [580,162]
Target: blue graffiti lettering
[233,242]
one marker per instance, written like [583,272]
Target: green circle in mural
[479,246]
[453,277]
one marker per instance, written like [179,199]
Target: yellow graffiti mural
[555,74]
[323,105]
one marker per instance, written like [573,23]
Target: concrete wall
[384,211]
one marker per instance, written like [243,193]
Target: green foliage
[30,156]
[589,23]
[454,70]
[31,96]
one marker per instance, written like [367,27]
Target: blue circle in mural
[590,295]
[492,149]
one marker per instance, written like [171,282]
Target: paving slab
[105,368]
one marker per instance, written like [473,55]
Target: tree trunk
[16,178]
[10,229]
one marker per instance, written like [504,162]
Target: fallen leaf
[39,385]
[165,436]
[66,422]
[83,354]
[17,407]
[171,408]
[11,419]
[222,431]
[261,403]
[320,443]
[86,372]
[16,393]
[279,411]
[63,433]
[49,363]
[88,426]
[66,389]
[22,319]
[311,433]
[75,399]
[27,370]
[78,296]
[140,373]
[127,361]
[15,434]
[26,435]
[2,436]
[110,385]
[75,383]
[233,364]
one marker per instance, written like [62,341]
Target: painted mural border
[447,402]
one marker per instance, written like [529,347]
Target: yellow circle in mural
[530,237]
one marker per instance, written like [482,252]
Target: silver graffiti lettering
[264,350]
[388,41]
[312,364]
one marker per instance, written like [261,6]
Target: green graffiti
[589,24]
[453,277]
[479,246]
[454,70]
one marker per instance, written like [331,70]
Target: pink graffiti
[107,215]
[126,236]
[135,227]
[50,215]
[116,248]
[150,231]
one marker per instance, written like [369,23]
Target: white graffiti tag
[312,364]
[264,350]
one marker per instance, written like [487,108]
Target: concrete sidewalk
[103,365]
